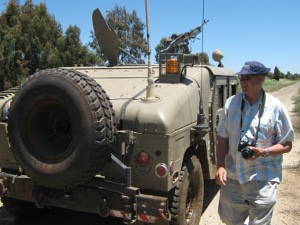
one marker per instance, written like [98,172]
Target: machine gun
[179,43]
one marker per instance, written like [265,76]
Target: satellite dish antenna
[106,37]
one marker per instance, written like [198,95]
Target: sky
[267,31]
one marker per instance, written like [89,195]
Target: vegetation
[31,39]
[130,31]
[164,42]
[297,103]
[276,74]
[273,85]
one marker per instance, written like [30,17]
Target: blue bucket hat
[254,68]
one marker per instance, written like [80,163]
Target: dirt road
[287,210]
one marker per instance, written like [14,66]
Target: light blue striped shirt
[275,127]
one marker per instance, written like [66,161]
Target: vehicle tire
[61,127]
[22,209]
[187,198]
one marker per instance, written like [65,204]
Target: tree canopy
[130,31]
[74,52]
[31,39]
[276,74]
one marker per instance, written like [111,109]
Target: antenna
[203,20]
[202,124]
[150,88]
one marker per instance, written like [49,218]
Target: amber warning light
[172,66]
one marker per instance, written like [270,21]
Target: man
[253,133]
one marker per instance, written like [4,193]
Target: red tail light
[161,170]
[143,159]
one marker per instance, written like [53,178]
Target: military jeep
[112,141]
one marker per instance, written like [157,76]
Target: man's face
[251,84]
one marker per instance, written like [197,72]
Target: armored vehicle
[134,141]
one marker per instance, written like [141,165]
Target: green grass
[297,109]
[297,104]
[273,85]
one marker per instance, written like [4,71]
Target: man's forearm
[222,150]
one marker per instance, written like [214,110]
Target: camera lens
[247,153]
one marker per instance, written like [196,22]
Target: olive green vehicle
[134,141]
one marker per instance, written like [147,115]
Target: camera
[244,148]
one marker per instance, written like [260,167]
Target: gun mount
[180,43]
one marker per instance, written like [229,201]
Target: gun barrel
[183,38]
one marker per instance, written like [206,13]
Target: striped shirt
[237,124]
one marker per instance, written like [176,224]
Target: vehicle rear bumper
[96,196]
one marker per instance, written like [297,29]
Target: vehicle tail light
[143,159]
[161,170]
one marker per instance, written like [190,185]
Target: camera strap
[260,113]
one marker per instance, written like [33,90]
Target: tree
[203,58]
[276,74]
[130,31]
[95,46]
[31,39]
[289,76]
[12,61]
[163,44]
[42,37]
[74,52]
[296,76]
[28,36]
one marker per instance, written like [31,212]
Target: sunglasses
[245,77]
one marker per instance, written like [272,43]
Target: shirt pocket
[266,130]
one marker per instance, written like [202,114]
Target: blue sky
[263,30]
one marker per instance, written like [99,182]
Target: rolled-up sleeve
[283,126]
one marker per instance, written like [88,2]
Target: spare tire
[61,127]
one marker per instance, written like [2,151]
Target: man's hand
[258,152]
[277,149]
[221,176]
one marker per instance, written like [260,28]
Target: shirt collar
[257,104]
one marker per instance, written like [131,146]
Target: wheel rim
[191,196]
[49,131]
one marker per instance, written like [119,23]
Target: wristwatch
[267,152]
